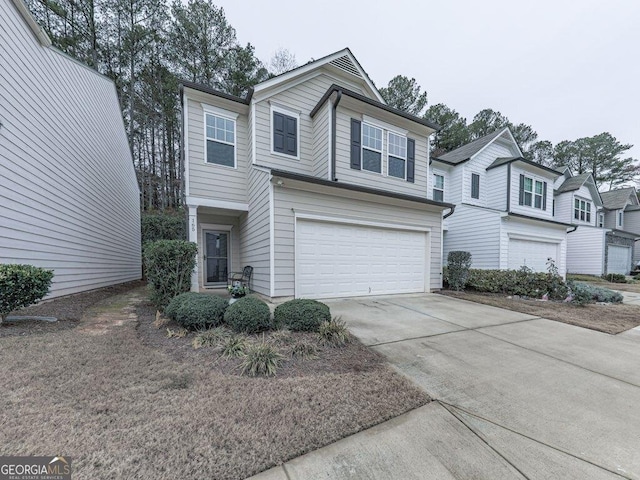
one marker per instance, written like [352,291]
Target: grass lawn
[604,318]
[107,388]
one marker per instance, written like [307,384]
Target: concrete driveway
[516,397]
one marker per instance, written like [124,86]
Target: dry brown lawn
[122,401]
[603,318]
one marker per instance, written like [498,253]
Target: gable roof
[573,183]
[342,60]
[617,199]
[465,152]
[505,160]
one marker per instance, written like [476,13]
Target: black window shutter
[356,143]
[521,201]
[411,160]
[278,133]
[291,135]
[544,195]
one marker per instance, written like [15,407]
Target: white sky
[569,68]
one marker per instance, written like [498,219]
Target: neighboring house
[622,218]
[315,182]
[69,199]
[504,205]
[589,245]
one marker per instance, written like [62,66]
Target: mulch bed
[609,318]
[69,310]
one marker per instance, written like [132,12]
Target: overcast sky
[569,68]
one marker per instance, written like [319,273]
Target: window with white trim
[620,219]
[582,210]
[438,187]
[601,220]
[371,148]
[397,145]
[532,194]
[221,140]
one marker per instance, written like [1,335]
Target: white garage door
[342,260]
[618,259]
[532,254]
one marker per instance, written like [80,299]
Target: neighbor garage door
[618,259]
[532,254]
[342,260]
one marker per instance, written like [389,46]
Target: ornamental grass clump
[334,333]
[261,359]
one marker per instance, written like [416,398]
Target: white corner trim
[358,221]
[208,202]
[185,139]
[272,247]
[253,132]
[219,111]
[330,174]
[38,31]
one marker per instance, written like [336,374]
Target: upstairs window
[438,187]
[221,140]
[397,155]
[601,220]
[582,210]
[620,219]
[285,128]
[372,148]
[475,185]
[533,193]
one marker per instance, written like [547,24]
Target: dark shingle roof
[502,161]
[465,152]
[616,199]
[573,183]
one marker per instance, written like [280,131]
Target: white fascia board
[208,202]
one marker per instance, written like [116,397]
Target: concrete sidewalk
[516,397]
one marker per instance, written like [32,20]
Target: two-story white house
[314,182]
[504,205]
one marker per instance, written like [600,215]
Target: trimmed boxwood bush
[249,314]
[197,311]
[615,278]
[458,265]
[301,315]
[523,282]
[169,264]
[21,286]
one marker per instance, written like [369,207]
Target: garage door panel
[532,254]
[618,259]
[335,260]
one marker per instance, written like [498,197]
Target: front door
[216,257]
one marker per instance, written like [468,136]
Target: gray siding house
[69,199]
[622,218]
[313,181]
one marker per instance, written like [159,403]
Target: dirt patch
[610,319]
[124,403]
[69,310]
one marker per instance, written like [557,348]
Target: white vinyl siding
[69,200]
[564,207]
[475,230]
[209,180]
[322,142]
[585,251]
[478,164]
[254,231]
[349,205]
[496,191]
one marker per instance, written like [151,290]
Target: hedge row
[523,282]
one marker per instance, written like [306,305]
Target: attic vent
[345,63]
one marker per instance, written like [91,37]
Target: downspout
[575,227]
[451,210]
[333,135]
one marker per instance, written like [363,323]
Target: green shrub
[301,315]
[199,311]
[615,278]
[169,264]
[584,293]
[249,314]
[458,265]
[523,282]
[163,226]
[171,310]
[334,333]
[21,286]
[261,359]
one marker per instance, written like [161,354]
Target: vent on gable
[345,63]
